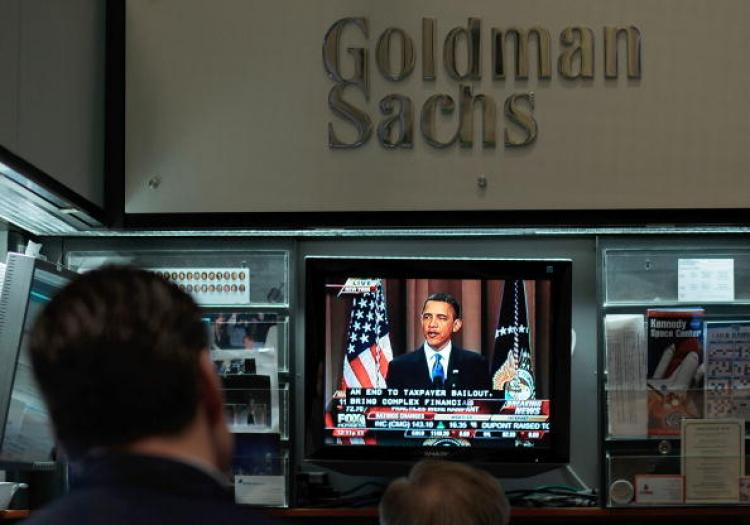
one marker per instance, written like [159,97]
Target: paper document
[626,375]
[701,280]
[713,459]
[727,369]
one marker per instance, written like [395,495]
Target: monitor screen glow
[424,357]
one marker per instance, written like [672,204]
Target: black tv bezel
[387,459]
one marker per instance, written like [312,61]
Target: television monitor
[25,429]
[375,401]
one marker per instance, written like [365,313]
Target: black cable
[363,485]
[366,500]
[551,497]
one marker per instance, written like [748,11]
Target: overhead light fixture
[33,201]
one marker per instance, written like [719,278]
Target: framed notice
[713,459]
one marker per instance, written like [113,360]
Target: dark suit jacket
[466,370]
[139,490]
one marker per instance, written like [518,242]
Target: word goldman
[396,130]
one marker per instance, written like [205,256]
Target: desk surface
[519,514]
[13,514]
[541,515]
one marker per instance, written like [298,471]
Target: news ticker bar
[441,416]
[448,433]
[358,421]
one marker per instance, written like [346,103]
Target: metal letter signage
[473,48]
[575,61]
[384,55]
[404,118]
[633,39]
[359,119]
[577,42]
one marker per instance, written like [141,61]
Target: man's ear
[211,393]
[457,324]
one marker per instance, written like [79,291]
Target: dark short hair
[445,298]
[116,356]
[444,493]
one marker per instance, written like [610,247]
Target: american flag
[368,347]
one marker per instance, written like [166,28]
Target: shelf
[647,439]
[265,285]
[644,386]
[640,305]
[651,276]
[518,514]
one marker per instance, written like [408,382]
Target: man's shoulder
[469,355]
[409,357]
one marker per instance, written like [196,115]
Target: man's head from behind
[120,356]
[441,318]
[444,493]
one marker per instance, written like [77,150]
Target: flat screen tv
[378,397]
[26,438]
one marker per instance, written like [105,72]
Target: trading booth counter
[528,516]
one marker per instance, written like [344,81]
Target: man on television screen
[438,364]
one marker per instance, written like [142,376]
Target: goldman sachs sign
[510,47]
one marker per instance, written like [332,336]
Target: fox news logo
[351,421]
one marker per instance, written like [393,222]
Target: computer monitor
[375,400]
[25,430]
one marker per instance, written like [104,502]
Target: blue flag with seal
[512,364]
